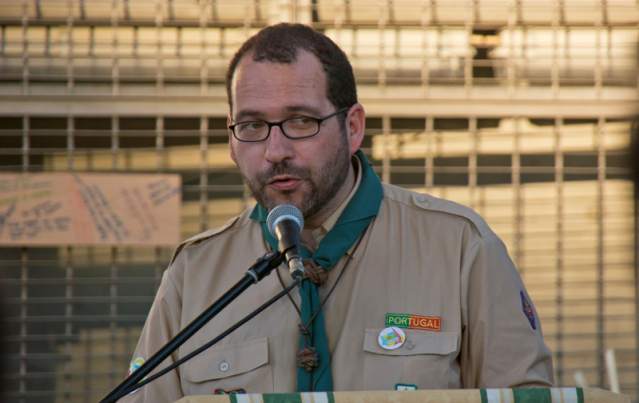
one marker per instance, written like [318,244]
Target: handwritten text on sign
[89,209]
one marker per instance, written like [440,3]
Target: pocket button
[224,366]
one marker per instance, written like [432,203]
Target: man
[420,293]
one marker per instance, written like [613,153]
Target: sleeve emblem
[528,310]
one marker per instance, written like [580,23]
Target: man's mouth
[284,182]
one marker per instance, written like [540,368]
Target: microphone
[285,222]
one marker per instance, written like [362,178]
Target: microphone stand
[260,269]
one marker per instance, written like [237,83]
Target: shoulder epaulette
[428,202]
[202,236]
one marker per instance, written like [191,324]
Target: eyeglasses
[299,127]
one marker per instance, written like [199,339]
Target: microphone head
[283,212]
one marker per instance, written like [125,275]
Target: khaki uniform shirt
[420,256]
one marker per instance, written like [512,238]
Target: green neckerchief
[360,211]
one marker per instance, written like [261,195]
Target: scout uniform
[430,300]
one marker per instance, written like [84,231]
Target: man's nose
[278,147]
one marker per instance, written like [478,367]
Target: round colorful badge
[135,364]
[391,338]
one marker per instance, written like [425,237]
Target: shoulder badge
[528,310]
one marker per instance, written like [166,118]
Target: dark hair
[280,44]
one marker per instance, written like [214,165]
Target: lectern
[528,395]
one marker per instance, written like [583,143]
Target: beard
[323,185]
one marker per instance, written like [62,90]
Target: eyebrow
[304,108]
[249,115]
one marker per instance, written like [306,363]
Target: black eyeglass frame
[279,124]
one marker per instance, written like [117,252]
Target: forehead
[266,88]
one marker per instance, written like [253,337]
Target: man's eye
[252,126]
[302,121]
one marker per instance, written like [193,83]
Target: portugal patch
[407,321]
[528,310]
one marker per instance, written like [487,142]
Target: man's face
[307,173]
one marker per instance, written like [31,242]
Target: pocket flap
[441,343]
[226,361]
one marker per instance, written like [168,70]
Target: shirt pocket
[231,367]
[426,360]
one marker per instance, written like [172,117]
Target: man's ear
[228,123]
[355,127]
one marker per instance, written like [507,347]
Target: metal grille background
[517,108]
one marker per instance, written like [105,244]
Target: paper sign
[89,209]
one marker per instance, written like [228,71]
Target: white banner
[89,209]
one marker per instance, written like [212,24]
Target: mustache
[283,168]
